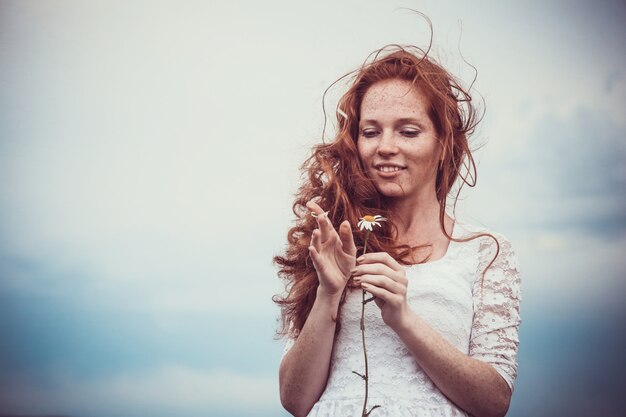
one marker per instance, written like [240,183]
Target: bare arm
[473,385]
[304,369]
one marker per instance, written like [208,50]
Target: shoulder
[487,243]
[497,273]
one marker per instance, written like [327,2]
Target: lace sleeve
[495,328]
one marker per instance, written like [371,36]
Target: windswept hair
[337,180]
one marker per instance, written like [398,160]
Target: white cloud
[171,389]
[572,271]
[160,159]
[149,152]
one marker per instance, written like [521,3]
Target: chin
[391,190]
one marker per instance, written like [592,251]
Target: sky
[149,152]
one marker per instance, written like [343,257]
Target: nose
[387,144]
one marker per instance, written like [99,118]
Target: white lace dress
[445,293]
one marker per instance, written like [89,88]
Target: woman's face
[397,141]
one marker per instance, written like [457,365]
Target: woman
[442,335]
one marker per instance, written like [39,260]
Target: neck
[417,220]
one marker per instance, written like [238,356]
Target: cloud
[169,390]
[577,171]
[569,174]
[557,191]
[555,380]
[571,271]
[148,155]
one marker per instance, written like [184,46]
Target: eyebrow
[398,122]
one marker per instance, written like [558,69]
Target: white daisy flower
[368,222]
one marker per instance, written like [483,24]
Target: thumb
[347,240]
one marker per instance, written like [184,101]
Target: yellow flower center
[370,219]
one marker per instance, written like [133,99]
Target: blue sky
[148,156]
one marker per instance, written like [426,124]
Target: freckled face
[397,141]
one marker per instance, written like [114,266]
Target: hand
[333,254]
[383,277]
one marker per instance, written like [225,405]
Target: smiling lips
[388,170]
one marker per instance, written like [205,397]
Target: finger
[315,257]
[378,292]
[381,269]
[382,281]
[376,269]
[323,223]
[326,227]
[314,207]
[380,257]
[347,239]
[315,240]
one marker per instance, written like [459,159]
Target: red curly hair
[338,182]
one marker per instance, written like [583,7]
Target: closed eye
[369,133]
[410,133]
